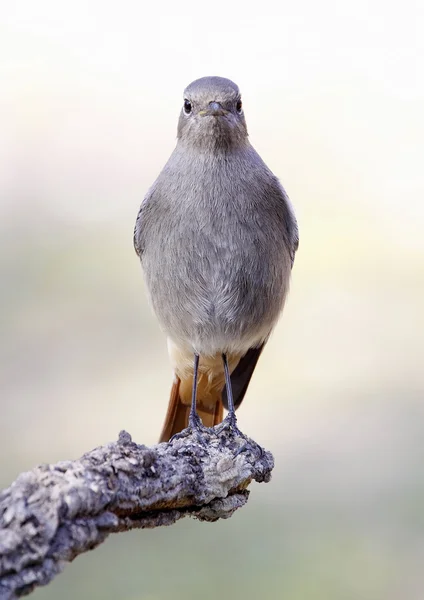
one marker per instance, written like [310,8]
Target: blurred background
[333,94]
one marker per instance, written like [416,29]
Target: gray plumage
[216,233]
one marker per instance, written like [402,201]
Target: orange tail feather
[209,408]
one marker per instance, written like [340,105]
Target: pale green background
[333,94]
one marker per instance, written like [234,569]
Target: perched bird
[217,237]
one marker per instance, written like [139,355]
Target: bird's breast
[216,263]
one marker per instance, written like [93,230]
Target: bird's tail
[209,406]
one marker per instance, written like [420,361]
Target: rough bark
[53,513]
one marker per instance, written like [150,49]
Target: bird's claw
[230,423]
[195,427]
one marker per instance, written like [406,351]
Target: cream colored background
[333,94]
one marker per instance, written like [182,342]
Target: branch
[53,513]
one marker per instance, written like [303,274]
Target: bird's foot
[196,428]
[230,424]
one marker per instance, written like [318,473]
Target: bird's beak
[214,110]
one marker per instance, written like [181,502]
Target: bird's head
[212,115]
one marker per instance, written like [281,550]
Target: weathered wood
[53,513]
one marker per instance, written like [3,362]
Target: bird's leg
[195,425]
[230,421]
[194,421]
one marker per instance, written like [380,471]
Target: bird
[216,235]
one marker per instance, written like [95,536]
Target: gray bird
[217,236]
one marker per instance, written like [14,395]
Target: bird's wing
[138,237]
[294,240]
[291,233]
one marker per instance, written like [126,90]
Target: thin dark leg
[195,424]
[194,420]
[230,421]
[231,410]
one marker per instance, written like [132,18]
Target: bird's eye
[187,107]
[239,106]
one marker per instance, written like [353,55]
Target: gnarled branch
[53,513]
